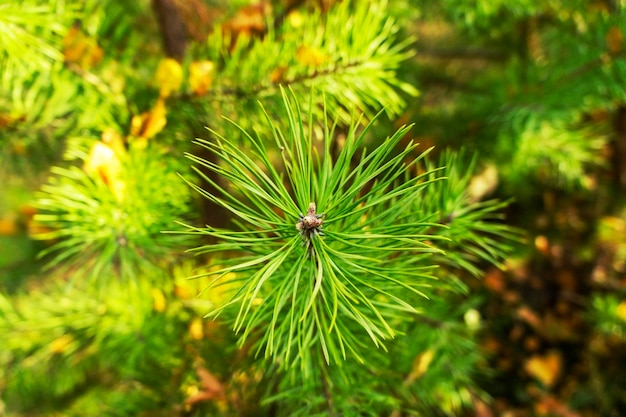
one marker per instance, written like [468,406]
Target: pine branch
[279,262]
[102,217]
[352,61]
[237,93]
[354,263]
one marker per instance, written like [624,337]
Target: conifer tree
[233,224]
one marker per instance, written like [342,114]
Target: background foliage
[523,102]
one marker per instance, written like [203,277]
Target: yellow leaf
[295,19]
[148,124]
[169,76]
[201,76]
[310,57]
[61,343]
[158,300]
[104,163]
[620,311]
[196,329]
[546,369]
[420,365]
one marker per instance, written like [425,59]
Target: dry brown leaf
[491,345]
[614,40]
[529,316]
[212,388]
[549,405]
[481,409]
[494,280]
[249,21]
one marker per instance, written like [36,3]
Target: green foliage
[86,344]
[111,214]
[440,366]
[349,54]
[313,288]
[555,153]
[341,267]
[609,312]
[475,233]
[343,277]
[31,34]
[537,81]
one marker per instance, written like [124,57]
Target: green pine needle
[319,261]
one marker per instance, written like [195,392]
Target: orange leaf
[182,292]
[494,280]
[614,40]
[546,369]
[278,74]
[201,76]
[248,20]
[80,49]
[8,226]
[169,76]
[149,123]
